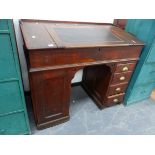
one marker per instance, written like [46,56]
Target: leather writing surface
[89,35]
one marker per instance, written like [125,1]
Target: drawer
[10,97]
[13,124]
[115,99]
[117,89]
[3,24]
[125,67]
[7,64]
[121,78]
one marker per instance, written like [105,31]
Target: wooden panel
[116,89]
[96,81]
[37,35]
[120,23]
[75,56]
[13,124]
[51,95]
[7,64]
[121,78]
[10,97]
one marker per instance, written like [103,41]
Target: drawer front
[3,24]
[10,99]
[125,67]
[115,99]
[117,89]
[121,78]
[7,65]
[13,124]
[147,74]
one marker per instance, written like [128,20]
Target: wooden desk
[57,50]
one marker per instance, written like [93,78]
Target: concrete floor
[87,119]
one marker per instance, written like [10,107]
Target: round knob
[33,37]
[115,100]
[122,78]
[118,89]
[125,68]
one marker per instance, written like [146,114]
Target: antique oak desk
[55,51]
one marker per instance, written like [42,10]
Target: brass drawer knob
[125,68]
[115,100]
[118,89]
[122,78]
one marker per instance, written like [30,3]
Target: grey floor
[87,119]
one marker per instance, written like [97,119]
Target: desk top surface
[54,34]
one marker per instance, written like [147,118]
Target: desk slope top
[51,34]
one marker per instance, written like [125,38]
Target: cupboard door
[51,95]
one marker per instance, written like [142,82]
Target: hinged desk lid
[50,34]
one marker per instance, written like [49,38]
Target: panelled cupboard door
[53,90]
[13,113]
[143,79]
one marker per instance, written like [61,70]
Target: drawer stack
[119,83]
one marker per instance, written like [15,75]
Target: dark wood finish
[120,23]
[38,35]
[63,58]
[125,67]
[102,50]
[121,77]
[117,89]
[111,99]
